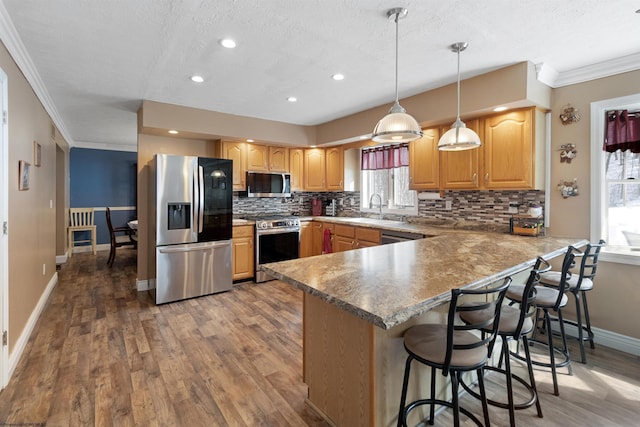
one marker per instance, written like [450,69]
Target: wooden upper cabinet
[257,158]
[279,159]
[461,169]
[236,151]
[334,158]
[314,169]
[296,168]
[424,161]
[509,151]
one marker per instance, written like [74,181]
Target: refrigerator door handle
[196,204]
[201,198]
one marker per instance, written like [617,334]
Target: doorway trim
[4,237]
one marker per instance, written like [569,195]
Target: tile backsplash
[488,207]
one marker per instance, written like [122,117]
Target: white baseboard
[145,285]
[15,355]
[616,341]
[607,338]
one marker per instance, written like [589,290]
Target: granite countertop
[390,284]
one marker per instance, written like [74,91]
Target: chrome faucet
[379,205]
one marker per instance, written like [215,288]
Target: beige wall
[148,146]
[32,221]
[614,301]
[155,118]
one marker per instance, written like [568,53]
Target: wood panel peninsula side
[357,304]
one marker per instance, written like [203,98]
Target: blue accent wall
[103,178]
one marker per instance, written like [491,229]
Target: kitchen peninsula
[358,303]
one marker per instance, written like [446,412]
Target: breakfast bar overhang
[357,305]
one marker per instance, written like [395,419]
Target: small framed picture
[37,153]
[24,171]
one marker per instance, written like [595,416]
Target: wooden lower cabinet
[243,257]
[349,237]
[306,239]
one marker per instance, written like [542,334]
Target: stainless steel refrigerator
[193,226]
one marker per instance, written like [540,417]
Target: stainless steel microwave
[268,184]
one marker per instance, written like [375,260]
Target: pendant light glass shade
[459,137]
[397,126]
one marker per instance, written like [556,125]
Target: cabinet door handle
[340,183]
[474,179]
[486,177]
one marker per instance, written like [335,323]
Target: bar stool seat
[454,349]
[552,278]
[545,297]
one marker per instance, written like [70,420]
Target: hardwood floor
[103,354]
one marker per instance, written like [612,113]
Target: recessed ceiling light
[250,140]
[497,109]
[197,79]
[228,43]
[173,132]
[292,99]
[338,76]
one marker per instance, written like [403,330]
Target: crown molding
[106,146]
[597,71]
[18,52]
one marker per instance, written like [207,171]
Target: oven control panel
[282,223]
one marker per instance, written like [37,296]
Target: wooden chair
[81,219]
[114,234]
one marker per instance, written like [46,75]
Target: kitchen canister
[535,211]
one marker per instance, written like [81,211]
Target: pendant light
[459,137]
[397,126]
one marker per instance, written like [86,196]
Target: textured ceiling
[98,59]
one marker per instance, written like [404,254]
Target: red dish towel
[326,242]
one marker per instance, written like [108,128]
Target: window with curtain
[621,151]
[385,172]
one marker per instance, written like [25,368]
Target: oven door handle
[278,231]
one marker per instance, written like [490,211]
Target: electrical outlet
[447,205]
[513,208]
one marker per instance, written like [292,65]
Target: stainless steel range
[277,239]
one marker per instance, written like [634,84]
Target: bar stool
[454,349]
[546,300]
[579,284]
[516,323]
